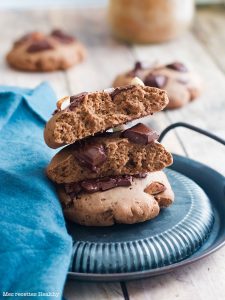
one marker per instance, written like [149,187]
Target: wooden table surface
[203,50]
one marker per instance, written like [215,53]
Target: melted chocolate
[99,184]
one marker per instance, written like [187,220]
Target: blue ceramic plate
[193,227]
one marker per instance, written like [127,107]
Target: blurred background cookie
[37,51]
[181,84]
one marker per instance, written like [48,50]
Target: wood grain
[209,28]
[92,291]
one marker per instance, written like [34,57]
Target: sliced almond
[137,81]
[109,90]
[63,103]
[155,188]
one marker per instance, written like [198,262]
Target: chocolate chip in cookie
[39,46]
[140,134]
[177,66]
[76,100]
[62,36]
[91,156]
[118,90]
[155,80]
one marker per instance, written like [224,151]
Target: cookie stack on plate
[106,177]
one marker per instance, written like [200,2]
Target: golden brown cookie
[39,52]
[181,85]
[86,114]
[132,151]
[137,203]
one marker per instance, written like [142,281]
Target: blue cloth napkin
[35,248]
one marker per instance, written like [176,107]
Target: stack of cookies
[105,177]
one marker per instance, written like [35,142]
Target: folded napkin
[35,248]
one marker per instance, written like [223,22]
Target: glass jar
[150,21]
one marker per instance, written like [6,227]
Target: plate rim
[141,274]
[112,277]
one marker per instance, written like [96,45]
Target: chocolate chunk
[62,36]
[55,111]
[118,90]
[124,180]
[137,67]
[140,134]
[76,100]
[155,80]
[89,186]
[177,66]
[91,156]
[39,46]
[107,184]
[99,184]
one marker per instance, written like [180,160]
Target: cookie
[87,114]
[129,152]
[139,202]
[39,52]
[181,85]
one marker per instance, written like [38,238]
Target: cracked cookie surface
[91,113]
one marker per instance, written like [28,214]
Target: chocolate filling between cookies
[99,184]
[92,156]
[107,183]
